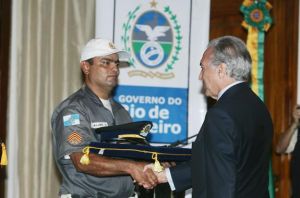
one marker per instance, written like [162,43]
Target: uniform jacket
[73,127]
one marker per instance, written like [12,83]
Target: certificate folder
[141,152]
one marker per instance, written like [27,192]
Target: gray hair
[231,51]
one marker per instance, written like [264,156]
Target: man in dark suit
[231,154]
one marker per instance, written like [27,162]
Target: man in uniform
[74,121]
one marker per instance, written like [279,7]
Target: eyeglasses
[105,62]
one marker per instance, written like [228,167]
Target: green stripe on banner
[260,81]
[260,78]
[271,181]
[260,64]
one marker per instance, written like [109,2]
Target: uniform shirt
[73,123]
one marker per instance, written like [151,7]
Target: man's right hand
[105,166]
[145,178]
[161,176]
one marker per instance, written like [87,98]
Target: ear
[222,70]
[85,67]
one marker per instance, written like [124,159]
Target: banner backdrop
[155,85]
[162,75]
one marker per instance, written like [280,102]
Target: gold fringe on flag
[3,161]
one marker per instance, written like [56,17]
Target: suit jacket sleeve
[181,176]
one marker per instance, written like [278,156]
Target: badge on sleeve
[74,138]
[70,120]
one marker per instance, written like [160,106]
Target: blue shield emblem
[152,39]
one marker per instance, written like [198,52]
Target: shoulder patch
[74,138]
[72,119]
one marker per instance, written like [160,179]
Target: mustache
[113,74]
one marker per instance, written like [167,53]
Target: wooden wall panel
[5,18]
[280,75]
[225,19]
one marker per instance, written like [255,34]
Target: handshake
[149,175]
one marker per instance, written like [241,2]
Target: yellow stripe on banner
[252,45]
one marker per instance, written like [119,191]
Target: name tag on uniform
[96,125]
